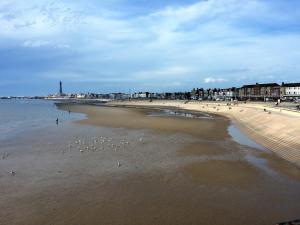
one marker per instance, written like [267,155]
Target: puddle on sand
[242,139]
[180,113]
[262,164]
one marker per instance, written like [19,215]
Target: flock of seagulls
[93,144]
[100,143]
[97,144]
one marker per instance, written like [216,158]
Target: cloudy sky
[151,45]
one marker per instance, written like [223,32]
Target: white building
[291,90]
[81,96]
[141,95]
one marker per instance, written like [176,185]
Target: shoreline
[275,129]
[133,166]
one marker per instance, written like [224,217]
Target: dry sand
[172,171]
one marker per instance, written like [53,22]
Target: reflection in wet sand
[223,173]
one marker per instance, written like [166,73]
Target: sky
[146,45]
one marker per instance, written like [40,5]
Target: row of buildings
[256,92]
[274,91]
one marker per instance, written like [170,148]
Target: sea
[20,116]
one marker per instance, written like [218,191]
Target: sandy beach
[277,129]
[135,166]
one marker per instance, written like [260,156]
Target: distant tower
[60,88]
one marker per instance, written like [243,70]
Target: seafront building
[253,92]
[290,91]
[260,92]
[215,94]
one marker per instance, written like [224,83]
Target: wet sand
[134,118]
[275,128]
[125,166]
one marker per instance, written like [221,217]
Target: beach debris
[241,110]
[81,151]
[269,112]
[119,164]
[13,173]
[141,140]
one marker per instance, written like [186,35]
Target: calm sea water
[22,116]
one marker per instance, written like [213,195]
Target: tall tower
[60,88]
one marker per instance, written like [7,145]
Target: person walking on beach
[57,121]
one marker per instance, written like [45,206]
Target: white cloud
[174,44]
[41,43]
[208,80]
[35,44]
[167,72]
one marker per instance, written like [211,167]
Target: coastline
[276,129]
[143,165]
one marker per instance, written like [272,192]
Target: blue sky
[171,45]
